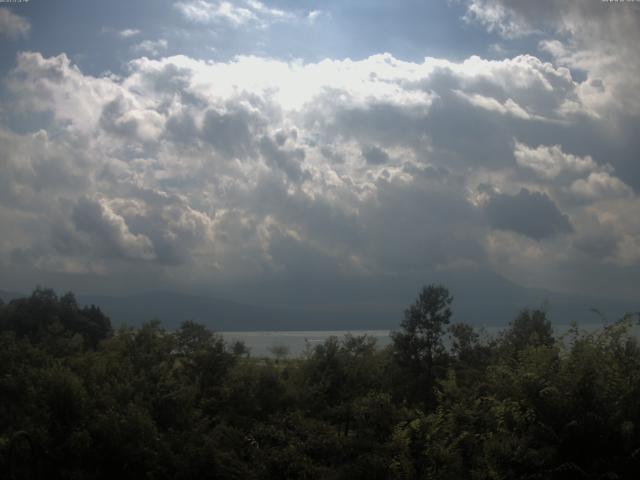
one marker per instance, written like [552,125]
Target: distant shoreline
[260,342]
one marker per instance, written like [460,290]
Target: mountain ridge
[474,306]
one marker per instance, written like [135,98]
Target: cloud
[497,17]
[122,116]
[13,26]
[151,47]
[110,231]
[550,161]
[509,107]
[290,161]
[128,32]
[597,239]
[529,213]
[600,185]
[314,15]
[595,37]
[258,168]
[374,155]
[229,132]
[53,84]
[234,13]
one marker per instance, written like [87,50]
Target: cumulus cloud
[600,185]
[596,238]
[595,37]
[229,132]
[234,13]
[508,107]
[529,213]
[13,26]
[497,17]
[314,15]
[549,161]
[374,155]
[369,167]
[128,32]
[53,84]
[151,47]
[289,161]
[109,230]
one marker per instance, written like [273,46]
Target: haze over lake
[297,342]
[260,343]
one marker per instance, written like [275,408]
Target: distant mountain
[483,297]
[480,298]
[223,315]
[174,308]
[7,296]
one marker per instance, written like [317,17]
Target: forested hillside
[81,401]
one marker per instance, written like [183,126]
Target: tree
[531,328]
[419,345]
[279,351]
[464,340]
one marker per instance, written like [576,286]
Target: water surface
[261,342]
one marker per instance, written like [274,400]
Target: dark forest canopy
[80,400]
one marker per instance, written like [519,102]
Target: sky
[319,152]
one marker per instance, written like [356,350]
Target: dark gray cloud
[228,132]
[420,225]
[529,213]
[112,119]
[109,231]
[601,243]
[289,161]
[181,128]
[374,155]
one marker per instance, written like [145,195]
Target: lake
[260,343]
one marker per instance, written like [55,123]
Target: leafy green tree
[240,349]
[43,317]
[419,346]
[531,328]
[205,360]
[464,342]
[146,402]
[336,373]
[279,351]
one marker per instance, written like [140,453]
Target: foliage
[79,400]
[418,348]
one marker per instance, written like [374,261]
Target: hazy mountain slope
[480,297]
[481,308]
[6,296]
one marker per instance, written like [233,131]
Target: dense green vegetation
[80,401]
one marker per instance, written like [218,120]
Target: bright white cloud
[54,84]
[509,107]
[314,15]
[128,32]
[601,185]
[551,161]
[150,47]
[234,13]
[497,17]
[598,38]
